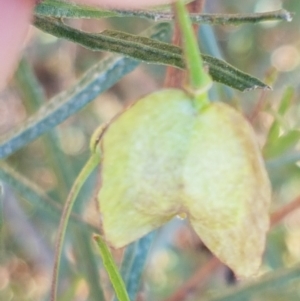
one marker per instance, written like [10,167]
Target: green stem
[80,180]
[112,270]
[199,80]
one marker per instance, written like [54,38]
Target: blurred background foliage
[36,179]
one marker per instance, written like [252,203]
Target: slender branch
[69,10]
[281,213]
[214,19]
[238,19]
[174,77]
[258,107]
[82,177]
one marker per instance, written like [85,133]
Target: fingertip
[15,17]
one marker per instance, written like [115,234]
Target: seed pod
[162,157]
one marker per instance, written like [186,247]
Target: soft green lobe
[227,188]
[163,157]
[142,166]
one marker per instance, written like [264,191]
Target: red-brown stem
[258,107]
[281,213]
[175,78]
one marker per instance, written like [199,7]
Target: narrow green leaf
[238,19]
[273,135]
[150,51]
[59,9]
[286,100]
[133,264]
[226,74]
[283,144]
[96,80]
[86,171]
[209,44]
[274,131]
[112,270]
[87,263]
[137,47]
[277,279]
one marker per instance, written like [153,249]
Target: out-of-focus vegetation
[36,178]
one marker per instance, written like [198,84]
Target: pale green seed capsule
[162,157]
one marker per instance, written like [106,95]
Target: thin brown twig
[270,79]
[196,7]
[258,107]
[175,77]
[281,213]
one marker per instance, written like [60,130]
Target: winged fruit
[163,157]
